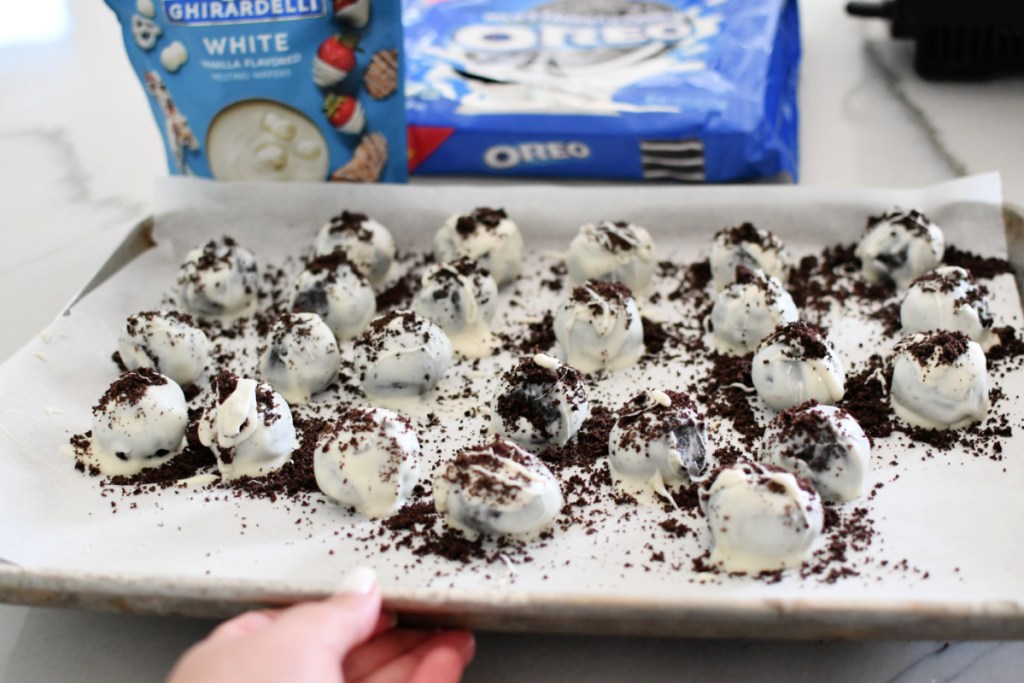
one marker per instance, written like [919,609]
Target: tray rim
[515,611]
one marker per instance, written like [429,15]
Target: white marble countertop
[78,156]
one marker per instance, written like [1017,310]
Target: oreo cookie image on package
[667,90]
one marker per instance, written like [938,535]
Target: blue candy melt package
[683,90]
[273,89]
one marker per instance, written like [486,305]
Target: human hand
[344,638]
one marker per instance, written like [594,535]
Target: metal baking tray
[513,611]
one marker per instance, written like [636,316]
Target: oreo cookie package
[681,90]
[304,90]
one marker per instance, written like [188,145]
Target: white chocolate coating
[599,328]
[749,246]
[139,422]
[166,341]
[401,354]
[748,310]
[787,371]
[900,246]
[461,298]
[370,461]
[948,298]
[356,121]
[540,402]
[761,518]
[822,444]
[331,288]
[368,245]
[218,280]
[939,380]
[326,75]
[248,426]
[301,357]
[614,252]
[497,489]
[659,440]
[487,236]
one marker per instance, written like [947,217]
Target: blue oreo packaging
[682,90]
[304,90]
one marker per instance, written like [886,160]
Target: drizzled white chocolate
[939,380]
[488,237]
[749,246]
[900,246]
[822,444]
[461,298]
[748,310]
[761,518]
[599,328]
[367,244]
[166,341]
[139,422]
[948,298]
[401,354]
[659,440]
[795,364]
[248,426]
[540,403]
[218,280]
[497,489]
[612,251]
[369,460]
[331,288]
[301,357]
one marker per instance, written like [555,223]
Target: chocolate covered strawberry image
[353,12]
[335,59]
[345,113]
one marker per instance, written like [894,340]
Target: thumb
[339,623]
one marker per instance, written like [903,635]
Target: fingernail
[358,581]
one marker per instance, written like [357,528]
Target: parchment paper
[952,517]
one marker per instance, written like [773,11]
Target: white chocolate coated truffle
[331,288]
[461,298]
[248,426]
[139,422]
[368,245]
[746,245]
[368,460]
[166,341]
[614,252]
[401,354]
[939,380]
[659,439]
[487,236]
[599,328]
[795,364]
[900,246]
[218,280]
[301,357]
[822,444]
[748,310]
[540,402]
[497,489]
[761,518]
[948,298]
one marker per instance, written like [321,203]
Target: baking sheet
[951,517]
